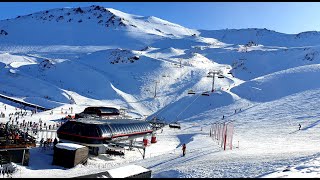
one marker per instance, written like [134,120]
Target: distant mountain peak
[106,17]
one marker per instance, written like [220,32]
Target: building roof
[108,121]
[108,109]
[69,146]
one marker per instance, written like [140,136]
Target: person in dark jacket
[41,142]
[55,142]
[184,149]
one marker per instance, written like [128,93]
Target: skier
[184,149]
[223,117]
[45,144]
[299,126]
[41,142]
[55,142]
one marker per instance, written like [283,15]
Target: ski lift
[220,76]
[205,94]
[191,92]
[229,72]
[175,125]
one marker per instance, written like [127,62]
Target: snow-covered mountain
[92,25]
[101,56]
[263,36]
[108,55]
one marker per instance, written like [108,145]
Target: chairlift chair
[205,94]
[191,92]
[220,76]
[229,72]
[175,125]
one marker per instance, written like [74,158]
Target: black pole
[212,82]
[155,90]
[144,152]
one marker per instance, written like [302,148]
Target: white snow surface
[126,171]
[146,65]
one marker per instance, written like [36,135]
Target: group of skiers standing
[48,143]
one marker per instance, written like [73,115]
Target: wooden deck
[12,146]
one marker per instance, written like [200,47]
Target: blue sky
[292,17]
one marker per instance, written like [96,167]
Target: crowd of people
[48,144]
[12,135]
[18,119]
[7,170]
[21,128]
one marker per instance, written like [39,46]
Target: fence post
[23,157]
[222,134]
[231,135]
[218,133]
[225,138]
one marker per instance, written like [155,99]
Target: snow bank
[126,171]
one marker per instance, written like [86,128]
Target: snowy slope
[261,60]
[305,168]
[267,133]
[264,37]
[279,84]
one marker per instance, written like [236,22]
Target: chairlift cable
[161,110]
[188,106]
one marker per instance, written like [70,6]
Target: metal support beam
[144,153]
[23,157]
[213,82]
[132,145]
[127,145]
